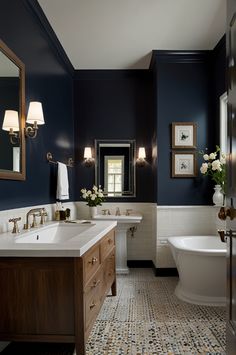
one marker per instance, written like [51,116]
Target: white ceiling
[120,34]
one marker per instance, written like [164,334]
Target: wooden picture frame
[184,135]
[184,164]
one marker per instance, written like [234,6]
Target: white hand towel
[62,182]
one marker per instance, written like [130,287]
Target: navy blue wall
[183,93]
[115,104]
[49,80]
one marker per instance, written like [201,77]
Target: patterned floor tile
[146,318]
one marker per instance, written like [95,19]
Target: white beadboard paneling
[142,245]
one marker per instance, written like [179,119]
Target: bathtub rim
[175,242]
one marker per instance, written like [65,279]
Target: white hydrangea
[95,188]
[84,195]
[93,196]
[100,194]
[216,165]
[89,192]
[204,168]
[206,157]
[83,191]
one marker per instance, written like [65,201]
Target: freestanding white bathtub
[201,263]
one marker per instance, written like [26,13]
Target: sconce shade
[141,153]
[35,113]
[11,121]
[87,153]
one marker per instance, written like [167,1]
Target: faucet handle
[15,226]
[117,211]
[128,210]
[34,223]
[43,214]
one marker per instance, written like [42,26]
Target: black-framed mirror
[12,98]
[115,167]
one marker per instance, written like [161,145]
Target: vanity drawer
[94,283]
[91,262]
[107,244]
[93,301]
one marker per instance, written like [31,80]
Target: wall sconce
[88,159]
[34,118]
[11,124]
[141,160]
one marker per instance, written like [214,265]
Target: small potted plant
[94,198]
[215,166]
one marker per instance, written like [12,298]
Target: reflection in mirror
[12,149]
[115,163]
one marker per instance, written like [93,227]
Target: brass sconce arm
[31,131]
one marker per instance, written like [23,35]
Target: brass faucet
[117,211]
[35,212]
[15,226]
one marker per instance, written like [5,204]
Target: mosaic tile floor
[146,318]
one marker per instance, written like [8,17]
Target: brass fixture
[117,211]
[34,223]
[15,226]
[11,124]
[34,212]
[141,160]
[34,118]
[106,212]
[88,158]
[225,234]
[69,163]
[128,211]
[43,215]
[227,212]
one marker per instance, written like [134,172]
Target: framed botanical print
[184,135]
[184,164]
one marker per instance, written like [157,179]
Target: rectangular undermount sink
[56,233]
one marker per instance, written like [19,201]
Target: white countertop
[73,247]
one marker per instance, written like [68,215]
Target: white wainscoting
[142,245]
[182,220]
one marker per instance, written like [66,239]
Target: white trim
[223,122]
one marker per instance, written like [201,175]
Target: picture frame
[184,135]
[184,164]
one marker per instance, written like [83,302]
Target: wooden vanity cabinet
[55,299]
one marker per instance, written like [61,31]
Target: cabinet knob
[92,305]
[93,261]
[109,241]
[96,283]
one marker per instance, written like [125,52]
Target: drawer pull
[95,283]
[92,305]
[93,261]
[109,241]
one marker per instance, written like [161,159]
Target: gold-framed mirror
[12,100]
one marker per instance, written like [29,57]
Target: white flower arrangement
[94,197]
[215,167]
